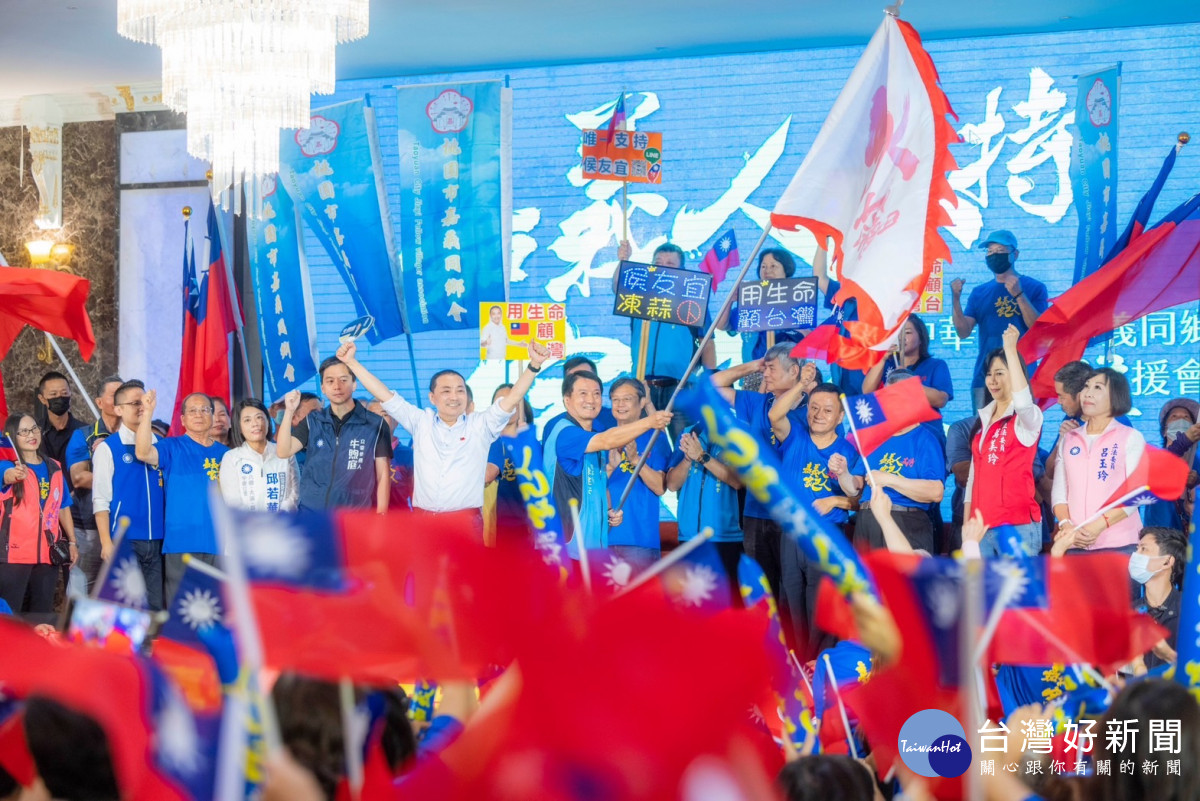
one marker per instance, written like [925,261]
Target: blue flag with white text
[1094,168]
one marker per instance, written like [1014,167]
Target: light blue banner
[331,170]
[451,236]
[1094,168]
[282,293]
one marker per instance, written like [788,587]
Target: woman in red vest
[1000,482]
[31,499]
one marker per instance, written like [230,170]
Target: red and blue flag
[876,416]
[722,257]
[1159,475]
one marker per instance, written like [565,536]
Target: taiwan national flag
[617,121]
[7,452]
[1158,476]
[518,329]
[121,581]
[698,582]
[208,320]
[877,416]
[722,258]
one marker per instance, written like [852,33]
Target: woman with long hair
[911,352]
[252,476]
[31,501]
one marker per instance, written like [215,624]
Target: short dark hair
[573,362]
[780,255]
[572,379]
[433,381]
[526,406]
[1171,542]
[820,776]
[493,308]
[215,399]
[309,396]
[330,362]
[1073,375]
[998,353]
[52,375]
[1119,398]
[112,379]
[898,375]
[670,247]
[235,427]
[826,387]
[70,752]
[132,383]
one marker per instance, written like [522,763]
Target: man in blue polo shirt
[550,431]
[1009,299]
[190,464]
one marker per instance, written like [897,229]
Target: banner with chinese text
[282,292]
[1094,168]
[505,328]
[782,304]
[931,301]
[331,170]
[635,156]
[664,294]
[451,240]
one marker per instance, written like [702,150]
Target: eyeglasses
[137,404]
[198,412]
[27,432]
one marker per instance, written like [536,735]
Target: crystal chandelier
[243,70]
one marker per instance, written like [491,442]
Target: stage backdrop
[735,128]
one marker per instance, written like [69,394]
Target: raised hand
[1010,336]
[624,250]
[1012,283]
[690,445]
[291,401]
[149,402]
[956,286]
[538,354]
[974,529]
[346,352]
[837,465]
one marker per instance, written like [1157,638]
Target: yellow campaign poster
[505,328]
[931,295]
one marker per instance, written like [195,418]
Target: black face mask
[58,405]
[998,262]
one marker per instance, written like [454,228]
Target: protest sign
[505,328]
[634,157]
[662,294]
[778,304]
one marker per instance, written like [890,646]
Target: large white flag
[875,181]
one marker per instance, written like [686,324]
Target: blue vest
[339,470]
[137,493]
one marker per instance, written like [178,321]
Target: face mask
[1176,428]
[58,405]
[998,262]
[1139,568]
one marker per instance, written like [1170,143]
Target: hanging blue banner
[282,292]
[544,518]
[332,171]
[452,250]
[1094,168]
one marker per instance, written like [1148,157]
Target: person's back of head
[1142,702]
[825,776]
[70,752]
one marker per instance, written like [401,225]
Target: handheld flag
[875,181]
[49,301]
[722,257]
[121,580]
[877,416]
[544,519]
[1158,476]
[198,605]
[8,452]
[356,329]
[698,581]
[617,121]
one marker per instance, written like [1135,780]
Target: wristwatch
[705,458]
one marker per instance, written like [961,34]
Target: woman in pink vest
[30,500]
[1000,482]
[1094,460]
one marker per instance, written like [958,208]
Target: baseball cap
[1001,237]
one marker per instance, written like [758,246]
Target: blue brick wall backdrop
[735,129]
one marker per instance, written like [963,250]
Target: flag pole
[668,560]
[584,567]
[352,749]
[62,357]
[106,565]
[1109,507]
[708,335]
[832,679]
[857,446]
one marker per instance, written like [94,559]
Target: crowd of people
[124,477]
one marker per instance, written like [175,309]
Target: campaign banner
[282,292]
[452,246]
[779,304]
[662,294]
[634,156]
[1094,168]
[332,171]
[931,301]
[505,328]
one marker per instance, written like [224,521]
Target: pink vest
[1003,488]
[1092,477]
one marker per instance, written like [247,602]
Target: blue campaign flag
[332,171]
[1187,645]
[198,605]
[282,292]
[1094,168]
[301,550]
[851,665]
[450,202]
[698,581]
[761,472]
[421,703]
[544,518]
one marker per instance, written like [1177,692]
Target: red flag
[1159,269]
[14,750]
[722,257]
[208,320]
[49,301]
[877,416]
[1161,474]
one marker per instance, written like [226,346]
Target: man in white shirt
[450,444]
[494,336]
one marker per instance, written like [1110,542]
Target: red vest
[1003,487]
[27,529]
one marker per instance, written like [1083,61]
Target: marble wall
[90,223]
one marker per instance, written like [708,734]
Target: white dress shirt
[448,461]
[494,338]
[260,482]
[102,468]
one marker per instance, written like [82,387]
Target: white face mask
[1139,567]
[1175,428]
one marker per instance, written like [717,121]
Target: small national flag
[123,582]
[617,121]
[848,667]
[519,329]
[298,550]
[7,452]
[722,257]
[14,750]
[698,581]
[876,416]
[1016,565]
[198,605]
[1160,474]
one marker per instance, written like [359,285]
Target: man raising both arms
[450,444]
